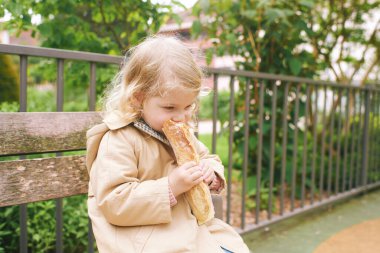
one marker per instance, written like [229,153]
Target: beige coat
[128,199]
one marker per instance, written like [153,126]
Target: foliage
[264,34]
[9,229]
[206,106]
[222,145]
[94,26]
[75,224]
[41,226]
[297,37]
[339,27]
[9,107]
[9,80]
[106,27]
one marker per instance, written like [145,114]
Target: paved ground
[363,237]
[315,232]
[205,127]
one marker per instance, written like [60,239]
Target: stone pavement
[314,233]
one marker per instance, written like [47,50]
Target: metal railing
[315,142]
[297,143]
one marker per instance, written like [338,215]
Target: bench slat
[25,181]
[37,132]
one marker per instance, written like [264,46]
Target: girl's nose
[181,117]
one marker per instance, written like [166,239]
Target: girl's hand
[184,178]
[208,172]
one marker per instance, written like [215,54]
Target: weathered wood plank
[25,181]
[38,132]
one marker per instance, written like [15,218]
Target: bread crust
[198,197]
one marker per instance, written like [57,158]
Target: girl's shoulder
[127,133]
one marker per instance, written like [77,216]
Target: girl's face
[177,105]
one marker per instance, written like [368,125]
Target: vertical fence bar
[60,84]
[23,82]
[259,154]
[246,146]
[377,139]
[58,202]
[315,141]
[365,138]
[23,108]
[272,149]
[322,165]
[352,135]
[284,144]
[331,139]
[359,143]
[295,147]
[214,114]
[92,90]
[91,107]
[230,143]
[305,149]
[337,169]
[371,139]
[347,132]
[374,134]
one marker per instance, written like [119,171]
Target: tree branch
[362,59]
[113,32]
[255,51]
[375,62]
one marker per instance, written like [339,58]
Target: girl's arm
[121,196]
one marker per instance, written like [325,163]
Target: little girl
[135,198]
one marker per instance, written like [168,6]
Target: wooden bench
[29,180]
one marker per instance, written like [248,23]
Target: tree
[294,37]
[265,34]
[345,38]
[297,37]
[101,26]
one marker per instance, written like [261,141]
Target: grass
[221,145]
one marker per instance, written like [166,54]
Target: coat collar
[114,120]
[143,126]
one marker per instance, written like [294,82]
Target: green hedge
[9,81]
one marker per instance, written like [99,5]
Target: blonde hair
[158,64]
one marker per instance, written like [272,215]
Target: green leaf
[231,38]
[251,185]
[307,3]
[209,55]
[295,66]
[205,5]
[196,28]
[249,14]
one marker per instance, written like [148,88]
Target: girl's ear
[138,99]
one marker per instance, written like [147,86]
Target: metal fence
[303,143]
[295,143]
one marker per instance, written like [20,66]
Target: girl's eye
[168,108]
[190,107]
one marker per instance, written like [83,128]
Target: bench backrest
[29,180]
